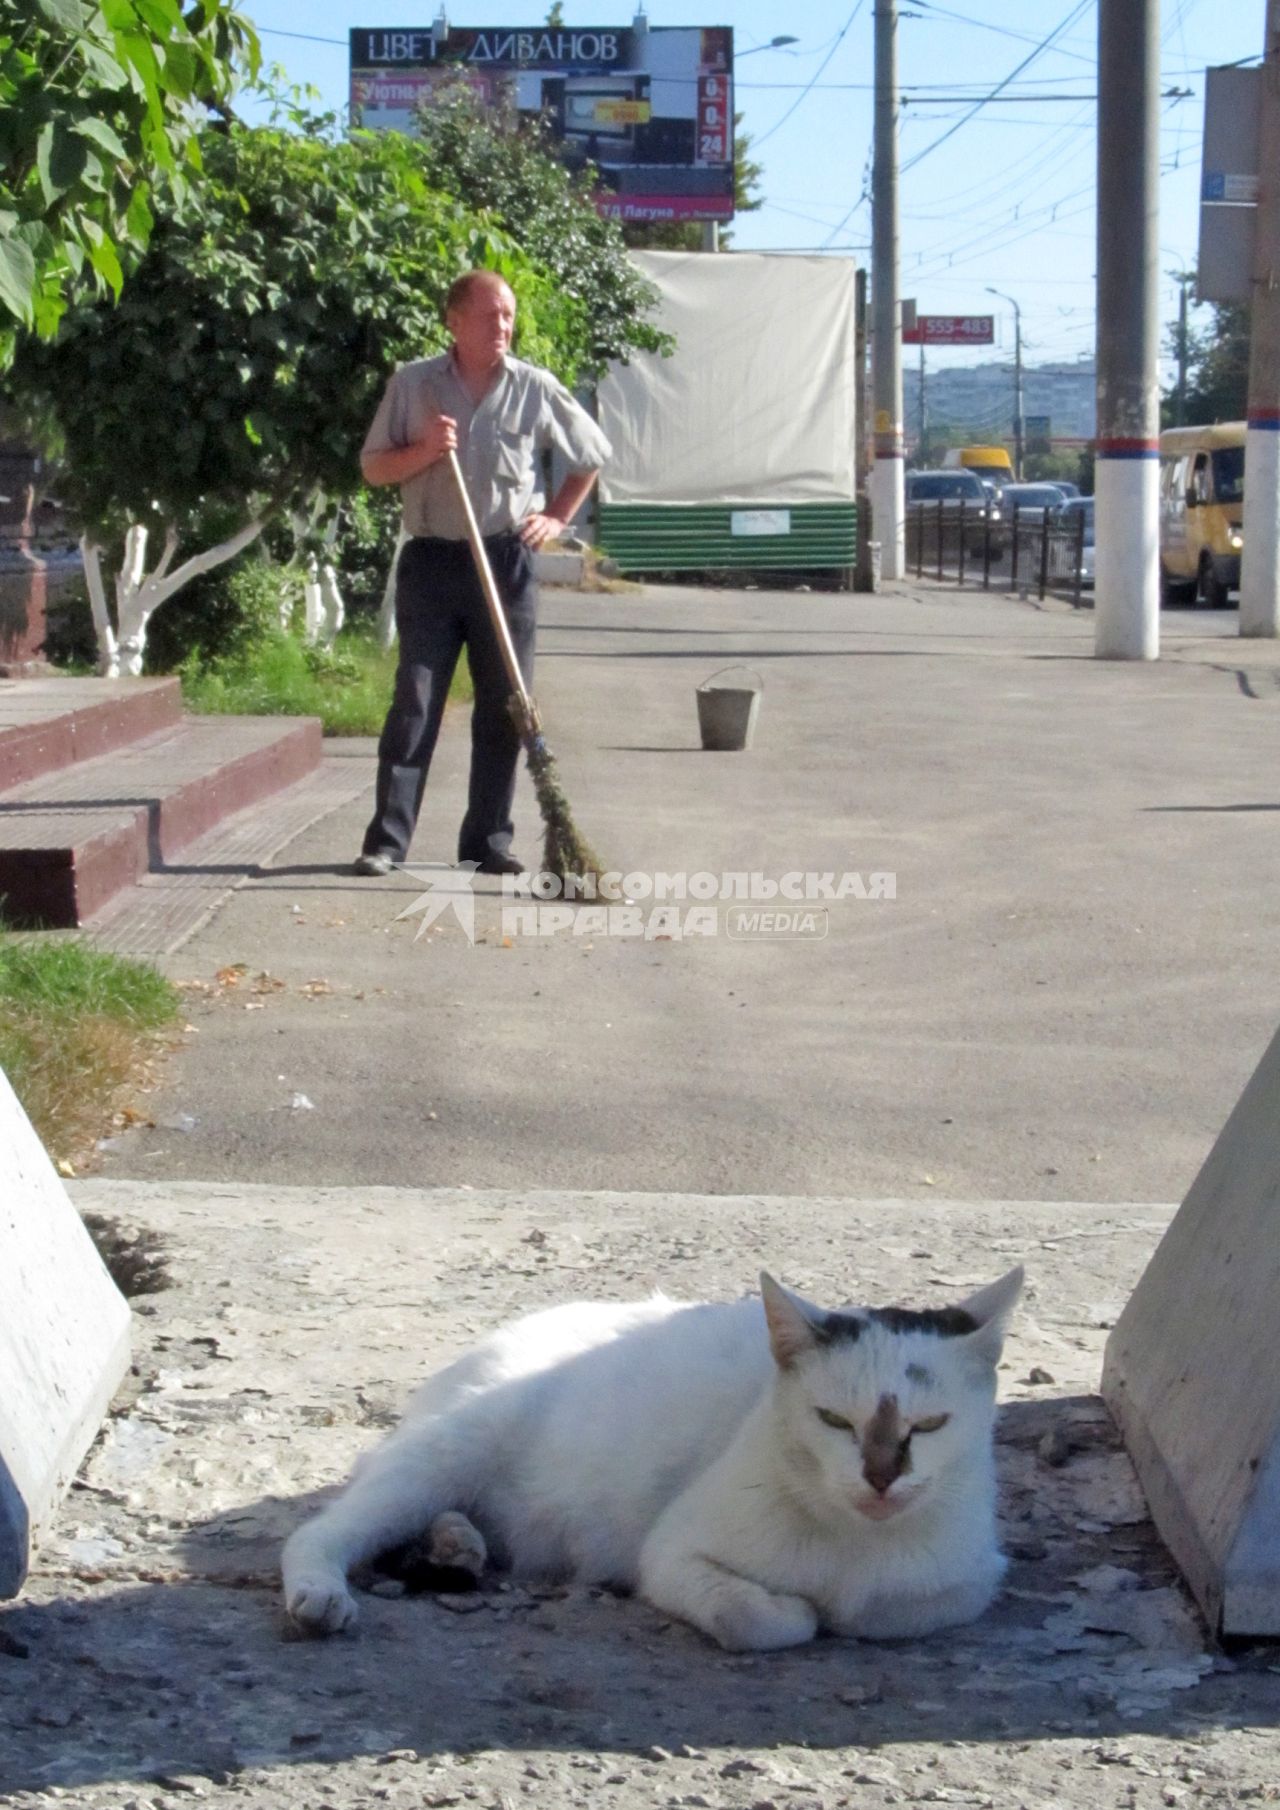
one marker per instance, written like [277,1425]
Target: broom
[564,850]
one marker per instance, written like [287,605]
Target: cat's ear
[793,1323]
[992,1307]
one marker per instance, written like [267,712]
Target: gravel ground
[146,1664]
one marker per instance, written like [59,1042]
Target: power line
[840,37]
[1039,50]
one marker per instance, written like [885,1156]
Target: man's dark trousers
[440,609]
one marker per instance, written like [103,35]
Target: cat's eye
[838,1421]
[932,1423]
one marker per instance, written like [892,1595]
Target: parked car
[1069,517]
[952,491]
[1032,500]
[1068,490]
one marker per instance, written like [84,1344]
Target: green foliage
[69,640]
[1044,467]
[67,978]
[223,614]
[584,290]
[98,106]
[1217,369]
[348,689]
[245,358]
[366,544]
[247,353]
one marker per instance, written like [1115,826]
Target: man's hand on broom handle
[400,463]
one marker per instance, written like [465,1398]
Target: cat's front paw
[751,1619]
[320,1606]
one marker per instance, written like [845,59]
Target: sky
[1006,200]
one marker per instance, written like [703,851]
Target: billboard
[651,109]
[950,330]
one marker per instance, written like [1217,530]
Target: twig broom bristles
[564,851]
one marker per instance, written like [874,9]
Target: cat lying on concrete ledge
[762,1468]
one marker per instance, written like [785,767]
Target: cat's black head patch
[942,1322]
[836,1328]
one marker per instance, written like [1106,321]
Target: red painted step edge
[30,750]
[59,888]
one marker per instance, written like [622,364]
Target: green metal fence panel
[664,537]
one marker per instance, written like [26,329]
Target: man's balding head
[471,286]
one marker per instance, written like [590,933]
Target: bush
[223,614]
[349,689]
[69,638]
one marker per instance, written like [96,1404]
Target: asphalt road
[1062,1002]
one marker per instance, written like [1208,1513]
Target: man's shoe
[373,865]
[500,864]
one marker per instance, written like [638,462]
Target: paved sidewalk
[296,1322]
[1063,1001]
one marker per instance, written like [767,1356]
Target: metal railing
[1031,551]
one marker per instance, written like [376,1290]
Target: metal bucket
[727,713]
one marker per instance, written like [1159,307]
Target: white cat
[760,1468]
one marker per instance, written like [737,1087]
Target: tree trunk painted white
[108,660]
[324,611]
[387,613]
[333,611]
[312,609]
[139,594]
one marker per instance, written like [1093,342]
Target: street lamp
[1017,379]
[773,44]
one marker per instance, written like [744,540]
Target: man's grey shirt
[499,439]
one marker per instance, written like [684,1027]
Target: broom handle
[490,589]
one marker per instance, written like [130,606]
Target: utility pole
[863,578]
[1127,583]
[1019,412]
[1260,567]
[886,345]
[924,413]
[1019,415]
[1184,280]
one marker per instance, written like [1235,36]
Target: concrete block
[64,1340]
[560,566]
[1192,1371]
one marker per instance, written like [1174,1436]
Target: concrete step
[47,724]
[73,839]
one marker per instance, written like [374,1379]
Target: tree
[99,104]
[237,374]
[494,161]
[1218,367]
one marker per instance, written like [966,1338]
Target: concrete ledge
[1192,1372]
[64,1341]
[556,567]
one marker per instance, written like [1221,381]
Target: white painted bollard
[1192,1371]
[64,1341]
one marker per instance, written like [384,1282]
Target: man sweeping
[497,413]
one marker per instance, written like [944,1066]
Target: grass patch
[77,1026]
[348,689]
